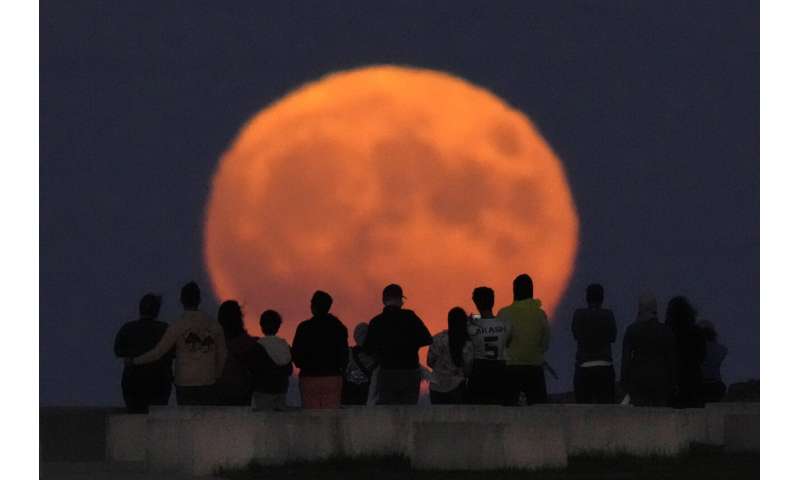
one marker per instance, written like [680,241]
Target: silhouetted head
[483,297]
[523,287]
[680,315]
[360,333]
[457,334]
[648,308]
[270,322]
[594,295]
[150,305]
[393,295]
[190,296]
[708,329]
[320,303]
[231,319]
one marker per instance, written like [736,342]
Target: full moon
[384,175]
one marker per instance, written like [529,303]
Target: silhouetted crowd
[480,359]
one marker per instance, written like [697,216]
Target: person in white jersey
[489,336]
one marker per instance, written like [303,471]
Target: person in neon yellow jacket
[528,341]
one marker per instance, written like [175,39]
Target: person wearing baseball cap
[394,338]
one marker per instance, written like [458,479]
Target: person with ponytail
[450,358]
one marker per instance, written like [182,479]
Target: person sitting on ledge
[594,329]
[690,351]
[199,351]
[529,339]
[320,352]
[489,336]
[360,365]
[450,358]
[713,387]
[394,338]
[648,358]
[271,386]
[144,385]
[235,385]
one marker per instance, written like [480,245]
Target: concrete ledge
[716,413]
[73,434]
[742,432]
[198,440]
[460,445]
[126,438]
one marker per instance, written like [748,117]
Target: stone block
[742,432]
[126,438]
[716,413]
[487,445]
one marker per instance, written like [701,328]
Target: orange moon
[384,175]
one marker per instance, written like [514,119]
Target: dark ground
[701,463]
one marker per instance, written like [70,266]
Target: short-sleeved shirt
[489,337]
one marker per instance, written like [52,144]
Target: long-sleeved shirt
[529,332]
[199,349]
[319,348]
[595,330]
[446,374]
[395,336]
[648,355]
[137,337]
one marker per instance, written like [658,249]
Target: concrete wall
[742,432]
[73,434]
[197,440]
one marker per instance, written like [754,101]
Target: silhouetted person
[320,352]
[235,385]
[358,373]
[394,339]
[450,358]
[690,350]
[144,385]
[648,357]
[594,329]
[271,386]
[199,351]
[489,336]
[713,386]
[529,338]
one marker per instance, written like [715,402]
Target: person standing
[394,338]
[199,351]
[450,358]
[320,352]
[529,339]
[648,358]
[594,329]
[713,387]
[144,385]
[489,336]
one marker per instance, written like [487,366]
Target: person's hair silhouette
[190,296]
[594,295]
[483,297]
[523,287]
[150,305]
[231,319]
[321,303]
[457,334]
[270,322]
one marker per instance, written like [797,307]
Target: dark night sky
[653,108]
